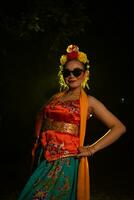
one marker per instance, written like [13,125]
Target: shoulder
[51,98]
[94,103]
[92,100]
[55,96]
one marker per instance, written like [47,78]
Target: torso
[60,136]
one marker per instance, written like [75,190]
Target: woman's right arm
[38,125]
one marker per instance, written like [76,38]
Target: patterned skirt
[55,180]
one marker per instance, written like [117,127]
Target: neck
[74,90]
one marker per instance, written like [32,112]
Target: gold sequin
[51,124]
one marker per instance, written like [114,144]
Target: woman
[60,127]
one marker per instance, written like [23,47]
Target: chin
[74,85]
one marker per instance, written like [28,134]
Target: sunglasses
[76,72]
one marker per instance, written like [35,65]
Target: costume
[61,175]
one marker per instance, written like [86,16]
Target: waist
[50,124]
[57,157]
[59,145]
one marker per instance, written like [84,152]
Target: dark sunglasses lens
[66,73]
[77,72]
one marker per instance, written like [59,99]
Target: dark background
[33,35]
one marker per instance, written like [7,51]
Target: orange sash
[83,188]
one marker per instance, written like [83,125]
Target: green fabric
[56,180]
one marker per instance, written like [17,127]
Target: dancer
[62,171]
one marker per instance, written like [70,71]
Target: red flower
[72,55]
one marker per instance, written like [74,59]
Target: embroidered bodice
[60,132]
[67,111]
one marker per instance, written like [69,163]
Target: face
[74,73]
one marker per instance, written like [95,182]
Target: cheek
[81,77]
[66,80]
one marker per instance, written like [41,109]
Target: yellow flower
[82,57]
[63,59]
[72,48]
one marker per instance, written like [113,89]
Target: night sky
[28,70]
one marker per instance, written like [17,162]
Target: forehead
[72,64]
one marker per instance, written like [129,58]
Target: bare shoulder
[99,110]
[56,95]
[94,103]
[92,99]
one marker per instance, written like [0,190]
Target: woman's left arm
[115,126]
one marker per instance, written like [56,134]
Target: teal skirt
[55,180]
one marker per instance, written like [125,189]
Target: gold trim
[50,124]
[64,156]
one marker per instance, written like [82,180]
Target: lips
[71,81]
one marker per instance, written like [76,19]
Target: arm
[38,125]
[115,127]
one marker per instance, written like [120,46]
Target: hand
[84,151]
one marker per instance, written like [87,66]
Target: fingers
[84,151]
[83,154]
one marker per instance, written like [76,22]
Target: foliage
[59,19]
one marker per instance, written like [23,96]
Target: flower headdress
[73,53]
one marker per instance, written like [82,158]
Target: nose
[71,74]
